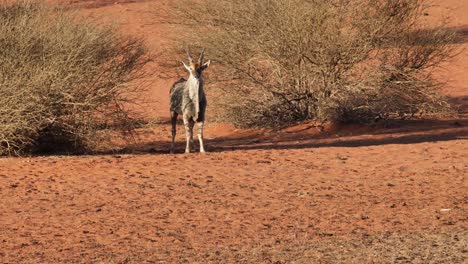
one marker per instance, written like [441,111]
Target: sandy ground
[394,194]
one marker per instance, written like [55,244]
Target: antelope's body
[187,98]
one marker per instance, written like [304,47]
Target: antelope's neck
[195,86]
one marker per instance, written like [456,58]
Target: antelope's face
[196,68]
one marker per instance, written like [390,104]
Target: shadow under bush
[63,80]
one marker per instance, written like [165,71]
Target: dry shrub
[285,61]
[62,80]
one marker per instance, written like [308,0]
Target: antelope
[188,99]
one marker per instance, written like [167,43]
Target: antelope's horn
[189,56]
[200,59]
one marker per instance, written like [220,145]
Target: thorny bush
[63,81]
[286,61]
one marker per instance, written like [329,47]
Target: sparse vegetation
[62,81]
[285,61]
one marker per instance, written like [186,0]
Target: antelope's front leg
[188,135]
[200,136]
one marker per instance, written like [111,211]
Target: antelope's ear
[186,67]
[206,65]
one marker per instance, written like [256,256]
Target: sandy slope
[356,194]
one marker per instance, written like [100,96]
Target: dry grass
[63,80]
[388,248]
[285,61]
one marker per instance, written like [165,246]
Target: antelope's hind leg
[174,130]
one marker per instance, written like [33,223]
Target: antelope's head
[196,68]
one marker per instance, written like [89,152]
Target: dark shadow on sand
[401,132]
